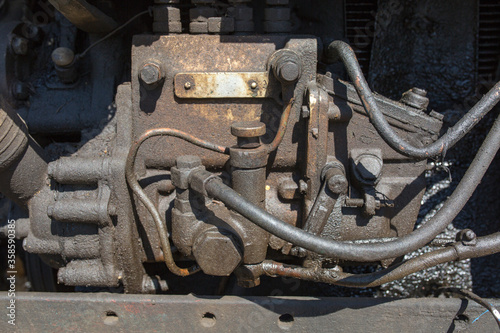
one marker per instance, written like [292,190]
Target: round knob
[63,57]
[248,129]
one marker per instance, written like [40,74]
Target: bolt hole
[208,320]
[285,321]
[110,318]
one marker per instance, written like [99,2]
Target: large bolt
[369,167]
[416,97]
[151,74]
[20,45]
[288,71]
[248,133]
[217,253]
[63,57]
[187,162]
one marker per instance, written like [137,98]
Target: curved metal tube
[282,128]
[485,246]
[341,50]
[141,195]
[368,252]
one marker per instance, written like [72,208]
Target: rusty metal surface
[50,312]
[207,118]
[223,85]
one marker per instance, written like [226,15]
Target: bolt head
[253,85]
[188,162]
[63,57]
[20,45]
[150,74]
[288,71]
[369,167]
[248,129]
[217,253]
[187,85]
[338,184]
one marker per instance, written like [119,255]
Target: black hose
[341,50]
[368,252]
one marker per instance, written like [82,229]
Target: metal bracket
[222,85]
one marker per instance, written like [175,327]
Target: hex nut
[150,74]
[166,13]
[168,27]
[188,162]
[220,24]
[217,253]
[198,27]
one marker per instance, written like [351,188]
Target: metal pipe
[141,195]
[341,50]
[485,246]
[367,252]
[23,169]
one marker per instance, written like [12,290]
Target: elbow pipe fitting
[23,169]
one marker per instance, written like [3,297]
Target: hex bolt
[217,253]
[188,162]
[150,74]
[20,45]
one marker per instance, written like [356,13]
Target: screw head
[150,74]
[187,85]
[253,85]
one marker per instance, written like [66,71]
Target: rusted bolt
[63,57]
[188,162]
[315,132]
[416,97]
[369,167]
[338,184]
[288,71]
[151,74]
[253,85]
[19,45]
[217,253]
[187,85]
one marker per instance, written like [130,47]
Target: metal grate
[360,20]
[489,37]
